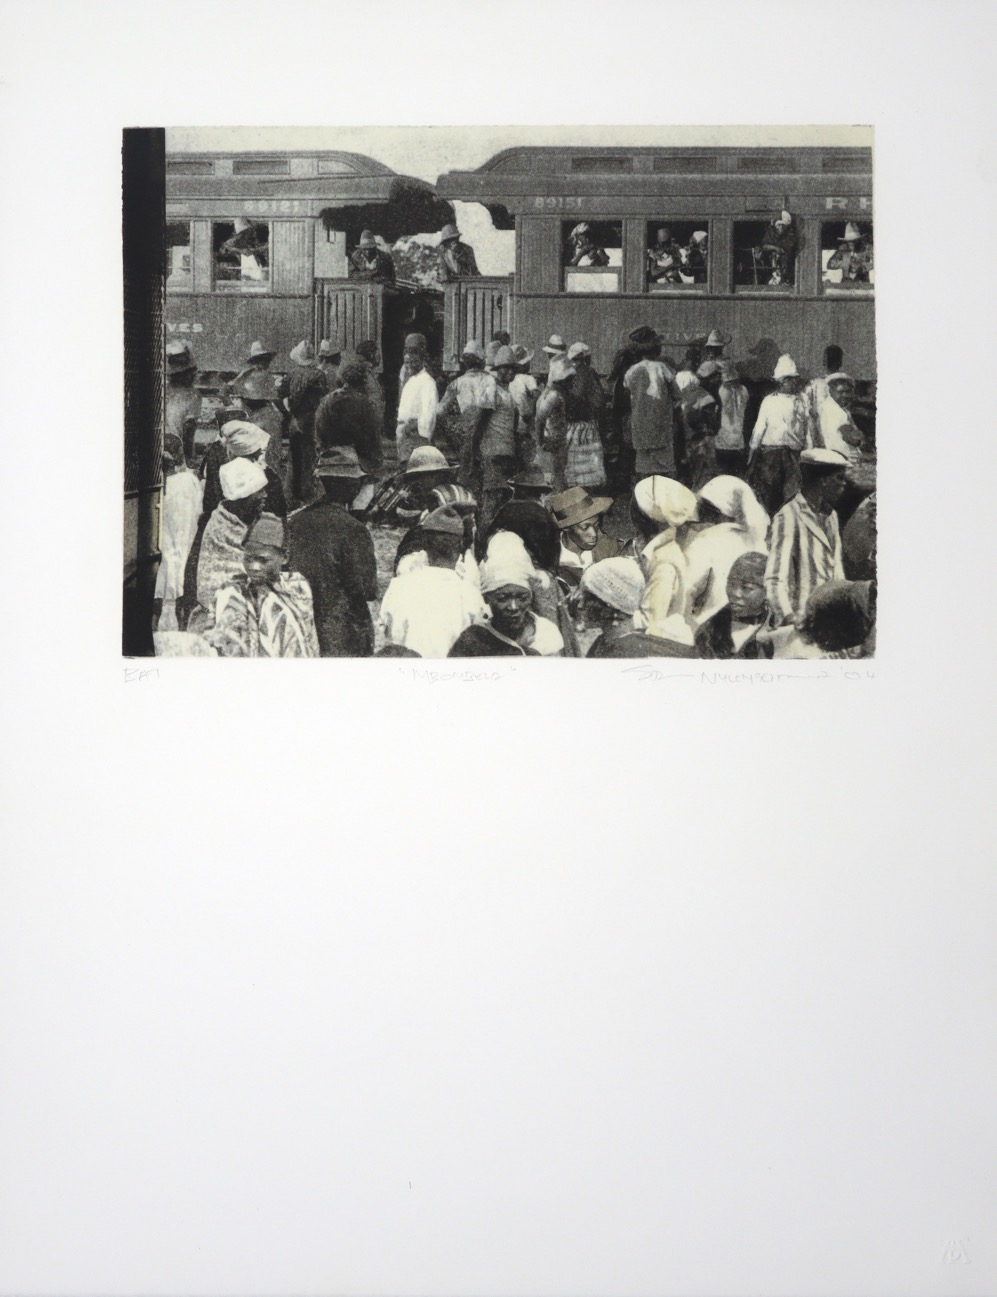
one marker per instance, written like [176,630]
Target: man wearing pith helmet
[779,436]
[456,258]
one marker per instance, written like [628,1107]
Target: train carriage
[258,246]
[720,200]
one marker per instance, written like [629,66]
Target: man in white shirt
[836,429]
[419,401]
[428,607]
[779,437]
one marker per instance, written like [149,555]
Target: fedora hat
[555,344]
[474,348]
[330,347]
[178,358]
[785,367]
[257,351]
[576,505]
[339,461]
[579,349]
[426,459]
[449,232]
[504,356]
[644,336]
[367,240]
[717,338]
[852,232]
[444,520]
[533,477]
[303,353]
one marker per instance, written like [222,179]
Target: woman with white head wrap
[736,524]
[512,628]
[673,507]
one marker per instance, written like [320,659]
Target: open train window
[677,255]
[592,254]
[846,256]
[764,257]
[179,264]
[240,256]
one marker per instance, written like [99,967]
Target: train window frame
[179,281]
[678,290]
[761,290]
[599,275]
[232,287]
[837,288]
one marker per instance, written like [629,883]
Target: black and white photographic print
[497,392]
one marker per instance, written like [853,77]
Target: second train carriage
[258,246]
[730,195]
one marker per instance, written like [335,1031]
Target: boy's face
[745,594]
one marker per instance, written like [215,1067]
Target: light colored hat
[827,458]
[698,236]
[268,529]
[785,367]
[576,505]
[241,225]
[257,351]
[785,218]
[240,478]
[579,349]
[665,501]
[717,338]
[303,353]
[504,356]
[507,565]
[709,367]
[839,377]
[618,582]
[426,459]
[474,348]
[243,438]
[367,240]
[178,358]
[416,342]
[735,499]
[555,344]
[449,232]
[339,461]
[852,232]
[523,355]
[491,351]
[559,370]
[328,347]
[582,227]
[685,379]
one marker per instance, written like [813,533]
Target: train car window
[846,256]
[592,256]
[179,262]
[677,255]
[241,256]
[261,167]
[764,256]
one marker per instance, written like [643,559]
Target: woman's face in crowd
[585,534]
[746,595]
[510,605]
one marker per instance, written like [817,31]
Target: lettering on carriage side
[558,204]
[863,201]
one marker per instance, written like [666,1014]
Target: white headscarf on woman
[712,552]
[672,505]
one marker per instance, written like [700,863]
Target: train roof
[517,173]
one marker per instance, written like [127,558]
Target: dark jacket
[636,644]
[381,269]
[334,552]
[463,255]
[347,418]
[479,642]
[713,639]
[307,388]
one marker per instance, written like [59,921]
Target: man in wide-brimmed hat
[183,404]
[329,357]
[501,443]
[713,347]
[779,435]
[853,257]
[369,261]
[456,259]
[306,389]
[583,542]
[464,399]
[778,248]
[650,386]
[334,552]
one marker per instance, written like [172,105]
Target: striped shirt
[804,553]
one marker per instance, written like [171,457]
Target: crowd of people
[641,515]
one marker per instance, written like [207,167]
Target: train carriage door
[404,313]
